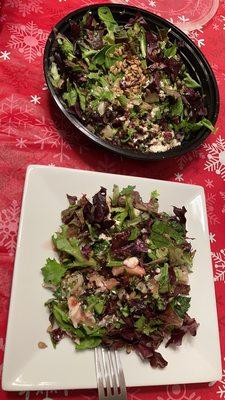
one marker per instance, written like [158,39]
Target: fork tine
[106,373]
[112,364]
[99,373]
[122,383]
[110,375]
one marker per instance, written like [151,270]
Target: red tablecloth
[29,126]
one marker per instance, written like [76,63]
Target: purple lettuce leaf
[101,209]
[75,30]
[181,288]
[157,360]
[189,325]
[72,199]
[180,214]
[120,239]
[138,19]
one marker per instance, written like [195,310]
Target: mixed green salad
[121,276]
[126,83]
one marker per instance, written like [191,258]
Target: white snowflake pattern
[216,157]
[35,99]
[178,392]
[45,86]
[209,183]
[14,113]
[5,55]
[189,157]
[210,205]
[152,3]
[178,177]
[222,194]
[212,237]
[221,387]
[219,264]
[42,392]
[28,39]
[9,218]
[49,136]
[215,27]
[183,19]
[3,17]
[21,143]
[223,19]
[25,7]
[194,35]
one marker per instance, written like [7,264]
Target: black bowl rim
[174,152]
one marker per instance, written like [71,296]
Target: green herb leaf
[154,194]
[123,100]
[88,343]
[164,279]
[62,319]
[72,247]
[134,233]
[71,95]
[53,272]
[82,99]
[115,196]
[96,303]
[190,82]
[143,43]
[106,16]
[127,190]
[170,51]
[177,109]
[180,305]
[55,78]
[110,58]
[125,310]
[66,46]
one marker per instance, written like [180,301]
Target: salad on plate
[121,276]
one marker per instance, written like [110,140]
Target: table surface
[29,126]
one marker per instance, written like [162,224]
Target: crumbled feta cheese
[154,111]
[162,95]
[136,212]
[144,230]
[104,237]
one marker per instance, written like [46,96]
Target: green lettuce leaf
[177,109]
[147,326]
[63,319]
[170,51]
[180,305]
[95,303]
[190,82]
[55,77]
[72,247]
[164,284]
[71,95]
[88,343]
[127,190]
[66,46]
[53,272]
[106,16]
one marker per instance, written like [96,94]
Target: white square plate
[26,367]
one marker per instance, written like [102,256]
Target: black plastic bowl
[194,60]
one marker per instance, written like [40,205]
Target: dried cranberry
[167,136]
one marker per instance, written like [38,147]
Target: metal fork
[110,377]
